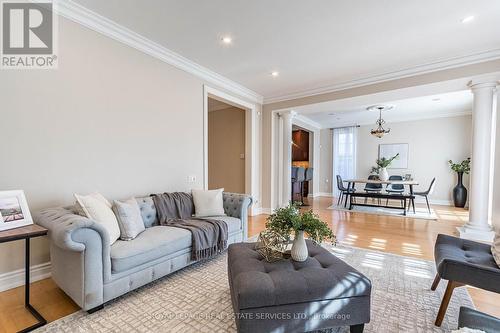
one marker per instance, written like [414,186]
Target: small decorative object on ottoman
[271,245]
[289,296]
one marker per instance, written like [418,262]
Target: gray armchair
[463,262]
[477,320]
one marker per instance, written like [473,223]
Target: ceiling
[425,107]
[312,44]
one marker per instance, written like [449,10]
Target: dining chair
[426,194]
[394,188]
[308,177]
[373,188]
[343,190]
[294,180]
[301,177]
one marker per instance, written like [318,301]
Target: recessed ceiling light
[468,19]
[227,40]
[275,74]
[436,99]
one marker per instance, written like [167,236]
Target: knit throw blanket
[209,236]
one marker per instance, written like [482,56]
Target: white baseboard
[16,278]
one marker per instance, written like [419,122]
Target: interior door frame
[251,146]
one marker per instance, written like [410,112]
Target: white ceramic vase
[383,174]
[299,248]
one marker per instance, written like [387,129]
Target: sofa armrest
[80,255]
[236,205]
[62,224]
[477,320]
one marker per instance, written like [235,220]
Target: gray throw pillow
[129,218]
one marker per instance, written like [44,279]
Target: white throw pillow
[495,246]
[98,209]
[129,218]
[208,202]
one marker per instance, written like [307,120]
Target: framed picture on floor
[391,149]
[14,211]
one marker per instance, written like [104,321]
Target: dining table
[410,183]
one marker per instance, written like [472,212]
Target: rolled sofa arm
[79,254]
[236,205]
[62,224]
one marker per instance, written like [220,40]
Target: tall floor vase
[460,192]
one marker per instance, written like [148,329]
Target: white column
[483,147]
[286,117]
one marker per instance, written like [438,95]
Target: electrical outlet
[191,179]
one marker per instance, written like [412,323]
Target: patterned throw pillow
[129,218]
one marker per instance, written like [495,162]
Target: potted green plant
[289,219]
[382,164]
[459,191]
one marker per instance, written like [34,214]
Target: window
[344,154]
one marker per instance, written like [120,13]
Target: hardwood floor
[408,237]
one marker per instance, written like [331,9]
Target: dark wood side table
[26,233]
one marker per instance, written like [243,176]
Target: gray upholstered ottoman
[289,296]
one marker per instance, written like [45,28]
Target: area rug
[196,299]
[420,212]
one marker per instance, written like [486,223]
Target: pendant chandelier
[379,132]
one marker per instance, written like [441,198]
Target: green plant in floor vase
[289,219]
[459,191]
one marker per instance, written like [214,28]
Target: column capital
[485,81]
[287,113]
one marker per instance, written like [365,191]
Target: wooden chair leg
[446,300]
[437,279]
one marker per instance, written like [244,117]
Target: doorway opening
[251,148]
[301,162]
[226,146]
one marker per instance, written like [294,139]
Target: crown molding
[427,116]
[393,75]
[307,121]
[84,16]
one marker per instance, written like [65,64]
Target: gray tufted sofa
[92,272]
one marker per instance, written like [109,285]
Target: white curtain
[344,154]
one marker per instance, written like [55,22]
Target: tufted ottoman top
[323,276]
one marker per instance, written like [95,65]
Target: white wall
[432,143]
[110,118]
[326,165]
